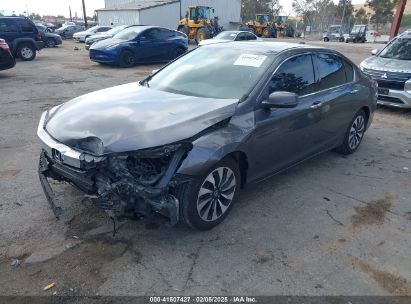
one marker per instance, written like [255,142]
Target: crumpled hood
[387,64]
[132,117]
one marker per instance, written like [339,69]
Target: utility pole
[84,14]
[342,19]
[397,18]
[71,17]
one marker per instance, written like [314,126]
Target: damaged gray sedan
[183,141]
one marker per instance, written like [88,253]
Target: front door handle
[316,105]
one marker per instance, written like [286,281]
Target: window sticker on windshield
[250,60]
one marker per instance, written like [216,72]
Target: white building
[165,13]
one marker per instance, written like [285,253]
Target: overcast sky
[61,7]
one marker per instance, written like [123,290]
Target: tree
[361,16]
[382,11]
[318,14]
[251,7]
[344,14]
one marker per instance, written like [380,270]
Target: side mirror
[281,100]
[374,52]
[142,38]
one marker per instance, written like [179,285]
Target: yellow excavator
[198,24]
[261,26]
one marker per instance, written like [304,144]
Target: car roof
[263,46]
[406,34]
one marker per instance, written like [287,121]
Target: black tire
[183,29]
[189,196]
[26,52]
[326,39]
[352,140]
[127,59]
[51,43]
[202,34]
[178,52]
[341,39]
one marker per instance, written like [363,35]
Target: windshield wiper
[146,80]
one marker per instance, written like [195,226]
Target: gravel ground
[332,226]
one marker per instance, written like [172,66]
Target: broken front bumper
[107,179]
[48,191]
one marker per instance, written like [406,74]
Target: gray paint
[387,64]
[131,117]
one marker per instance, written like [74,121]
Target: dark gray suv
[183,141]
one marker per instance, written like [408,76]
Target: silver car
[391,68]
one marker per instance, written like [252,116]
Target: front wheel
[354,134]
[207,200]
[127,59]
[51,43]
[326,39]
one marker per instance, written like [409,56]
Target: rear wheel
[26,52]
[326,39]
[206,201]
[354,134]
[127,59]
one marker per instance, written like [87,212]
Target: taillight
[4,46]
[38,36]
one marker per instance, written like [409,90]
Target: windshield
[263,18]
[358,29]
[400,49]
[213,72]
[115,30]
[226,35]
[92,29]
[200,12]
[129,33]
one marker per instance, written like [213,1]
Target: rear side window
[349,71]
[331,70]
[296,75]
[26,27]
[7,26]
[251,37]
[241,37]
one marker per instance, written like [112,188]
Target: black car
[22,36]
[183,141]
[6,58]
[49,38]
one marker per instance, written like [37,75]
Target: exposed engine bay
[134,183]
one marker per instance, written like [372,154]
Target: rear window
[26,27]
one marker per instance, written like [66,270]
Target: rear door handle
[316,105]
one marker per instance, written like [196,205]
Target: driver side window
[296,75]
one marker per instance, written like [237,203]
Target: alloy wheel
[356,132]
[216,194]
[26,52]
